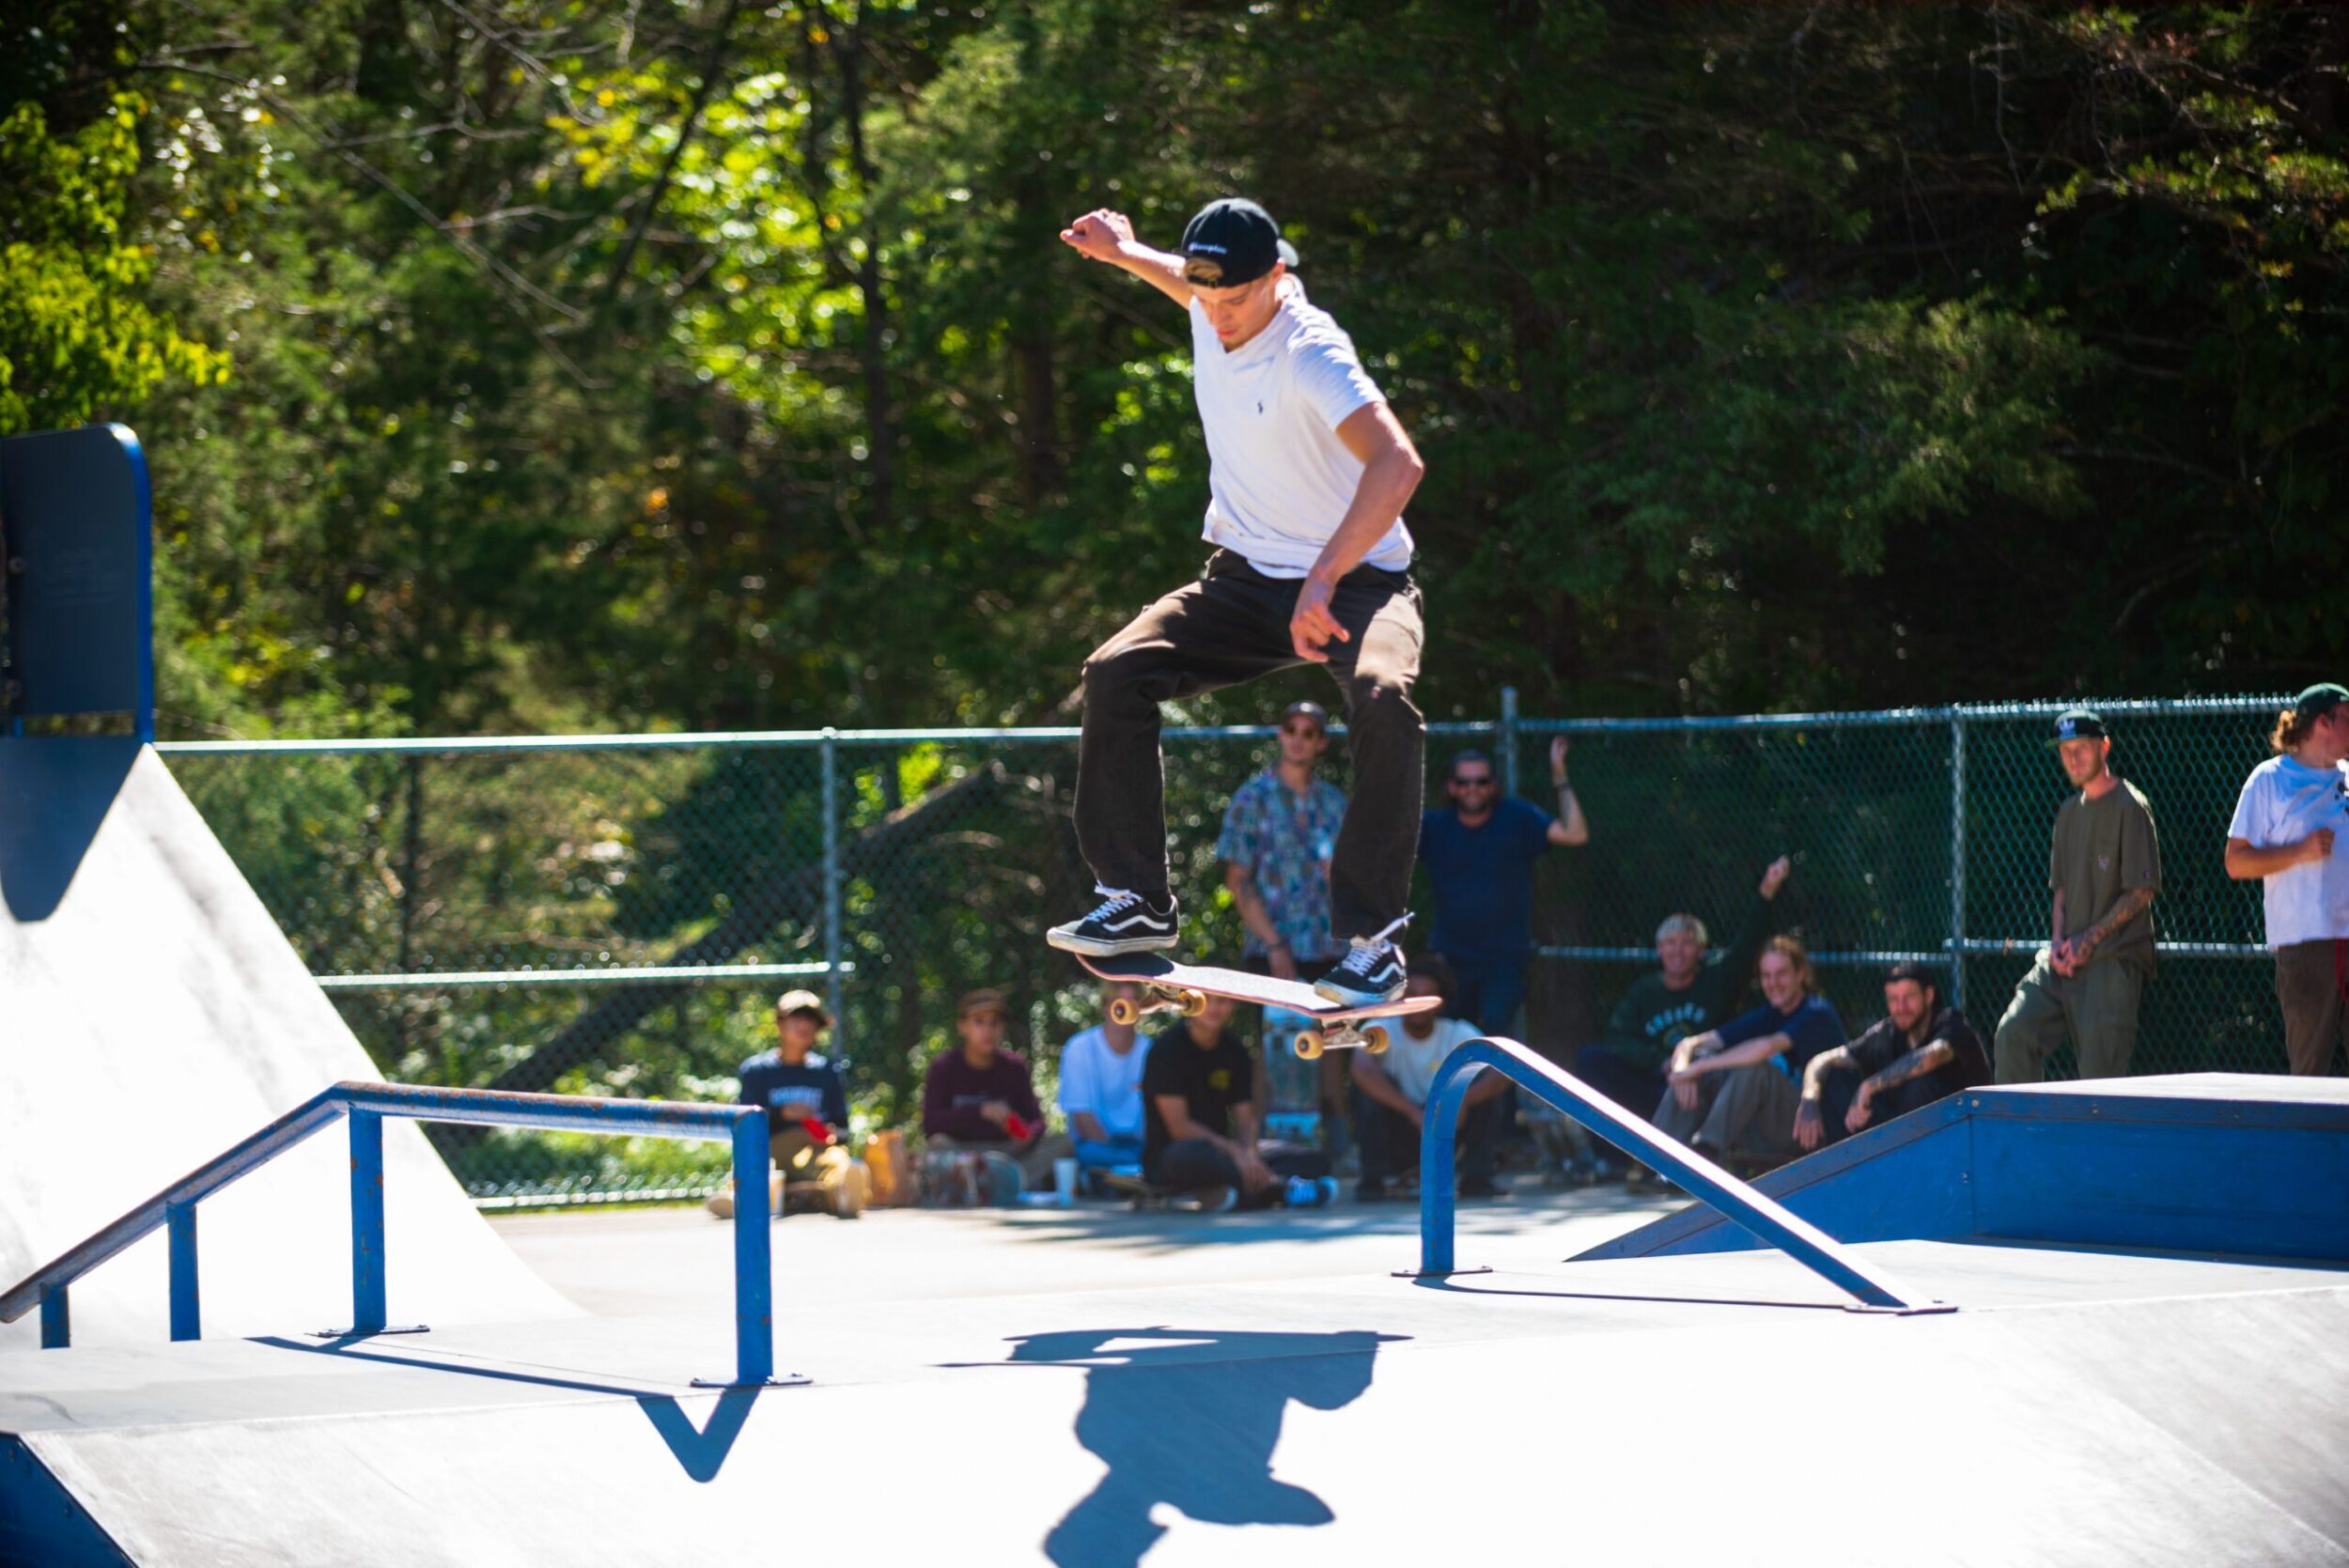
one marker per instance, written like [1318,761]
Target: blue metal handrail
[366,1104]
[1712,1186]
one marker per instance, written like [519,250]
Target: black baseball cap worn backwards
[1231,242]
[2320,699]
[2076,723]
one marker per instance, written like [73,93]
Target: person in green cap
[2289,833]
[2104,872]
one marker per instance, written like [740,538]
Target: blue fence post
[366,1222]
[57,1318]
[754,1267]
[831,888]
[1957,858]
[187,1313]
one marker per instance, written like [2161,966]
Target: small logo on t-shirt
[1260,405]
[1219,1079]
[2104,862]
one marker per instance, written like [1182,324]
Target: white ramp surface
[151,1014]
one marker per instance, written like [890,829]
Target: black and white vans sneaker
[1371,973]
[1126,922]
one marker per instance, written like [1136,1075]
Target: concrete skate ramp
[2085,1408]
[151,1014]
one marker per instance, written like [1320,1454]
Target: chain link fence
[616,915]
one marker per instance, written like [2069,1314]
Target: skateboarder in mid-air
[1308,473]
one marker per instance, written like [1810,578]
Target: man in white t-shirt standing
[1390,1111]
[2291,830]
[1100,1087]
[1308,474]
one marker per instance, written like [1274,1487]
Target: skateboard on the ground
[1184,988]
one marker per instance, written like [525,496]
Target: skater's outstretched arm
[1109,237]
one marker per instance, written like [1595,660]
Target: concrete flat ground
[1097,1387]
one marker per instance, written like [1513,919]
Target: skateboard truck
[1125,1012]
[1311,1043]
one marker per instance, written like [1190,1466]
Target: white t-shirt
[1279,479]
[1412,1064]
[2283,801]
[1094,1077]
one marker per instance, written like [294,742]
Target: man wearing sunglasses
[1480,855]
[1308,473]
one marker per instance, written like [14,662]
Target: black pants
[1390,1143]
[1635,1088]
[1195,1163]
[1229,627]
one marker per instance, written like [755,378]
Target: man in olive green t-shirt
[2104,870]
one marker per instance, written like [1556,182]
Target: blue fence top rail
[1065,733]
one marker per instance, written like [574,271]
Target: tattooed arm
[1916,1064]
[2126,908]
[1806,1118]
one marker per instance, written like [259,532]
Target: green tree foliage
[606,364]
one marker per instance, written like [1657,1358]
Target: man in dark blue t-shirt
[807,1110]
[1479,854]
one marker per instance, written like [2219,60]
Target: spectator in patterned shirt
[1277,839]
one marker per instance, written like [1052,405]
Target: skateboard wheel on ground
[1124,1012]
[1193,1004]
[1308,1045]
[1375,1040]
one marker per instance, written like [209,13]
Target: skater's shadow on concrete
[1190,1419]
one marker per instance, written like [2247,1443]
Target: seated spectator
[1918,1052]
[1693,991]
[1202,1123]
[807,1113]
[1100,1087]
[980,1097]
[1734,1089]
[1392,1095]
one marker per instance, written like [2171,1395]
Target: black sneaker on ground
[1125,922]
[1371,973]
[1483,1187]
[1371,1189]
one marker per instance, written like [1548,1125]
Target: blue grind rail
[365,1105]
[1708,1182]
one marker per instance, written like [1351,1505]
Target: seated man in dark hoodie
[1691,993]
[1918,1052]
[980,1096]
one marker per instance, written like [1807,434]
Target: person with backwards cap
[1308,473]
[2104,871]
[2289,833]
[807,1112]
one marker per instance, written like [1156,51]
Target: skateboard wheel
[1193,1003]
[1309,1044]
[1124,1012]
[1375,1040]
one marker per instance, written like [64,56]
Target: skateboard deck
[1171,987]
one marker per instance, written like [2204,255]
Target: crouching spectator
[1201,1123]
[1100,1087]
[1392,1090]
[1917,1053]
[1734,1089]
[979,1098]
[807,1114]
